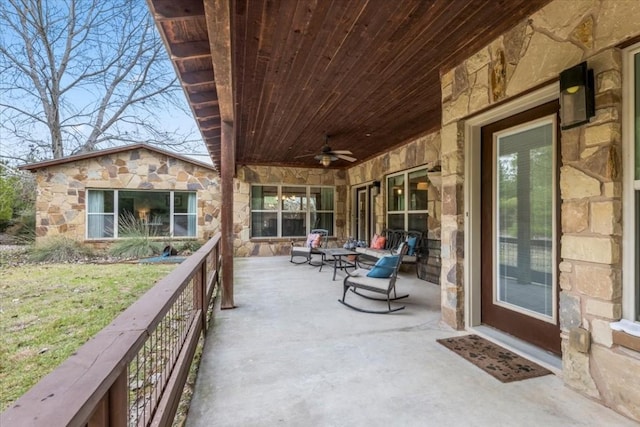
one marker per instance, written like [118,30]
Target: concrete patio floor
[291,355]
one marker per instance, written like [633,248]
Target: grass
[48,311]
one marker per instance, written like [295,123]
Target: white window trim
[280,211]
[629,267]
[116,209]
[405,213]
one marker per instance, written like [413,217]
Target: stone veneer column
[452,226]
[590,272]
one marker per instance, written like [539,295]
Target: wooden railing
[133,371]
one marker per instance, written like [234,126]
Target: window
[290,211]
[165,213]
[631,200]
[407,200]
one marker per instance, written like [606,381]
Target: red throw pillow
[379,244]
[374,239]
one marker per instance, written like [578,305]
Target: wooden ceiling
[365,72]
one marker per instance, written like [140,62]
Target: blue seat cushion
[411,242]
[384,267]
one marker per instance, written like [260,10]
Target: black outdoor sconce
[375,188]
[577,96]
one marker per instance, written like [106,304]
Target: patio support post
[227,165]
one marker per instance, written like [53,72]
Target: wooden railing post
[119,401]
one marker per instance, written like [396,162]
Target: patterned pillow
[374,239]
[314,240]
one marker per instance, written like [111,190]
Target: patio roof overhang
[286,73]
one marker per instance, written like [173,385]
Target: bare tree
[77,75]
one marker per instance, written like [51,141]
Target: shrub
[137,239]
[23,229]
[135,247]
[189,246]
[60,249]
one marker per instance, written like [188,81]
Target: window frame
[631,189]
[280,211]
[406,211]
[116,215]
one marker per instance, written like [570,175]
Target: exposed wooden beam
[218,15]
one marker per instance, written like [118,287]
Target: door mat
[499,362]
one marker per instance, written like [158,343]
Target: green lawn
[48,311]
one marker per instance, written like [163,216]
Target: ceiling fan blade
[305,155]
[343,157]
[341,152]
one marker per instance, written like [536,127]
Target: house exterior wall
[559,36]
[243,244]
[422,151]
[61,194]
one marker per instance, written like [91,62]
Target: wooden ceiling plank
[283,73]
[268,64]
[369,24]
[350,80]
[190,49]
[207,111]
[295,103]
[315,34]
[379,99]
[193,78]
[170,9]
[203,98]
[247,44]
[358,66]
[415,89]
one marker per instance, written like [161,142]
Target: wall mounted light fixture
[577,96]
[375,188]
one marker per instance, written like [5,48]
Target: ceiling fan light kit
[327,155]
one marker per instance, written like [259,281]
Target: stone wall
[422,151]
[243,244]
[561,35]
[61,197]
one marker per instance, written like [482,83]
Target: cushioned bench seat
[379,253]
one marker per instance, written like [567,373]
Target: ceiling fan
[327,155]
